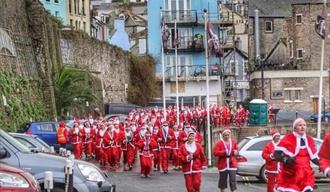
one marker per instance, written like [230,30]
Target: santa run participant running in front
[128,149]
[165,136]
[175,148]
[271,166]
[295,151]
[156,150]
[146,144]
[76,137]
[193,159]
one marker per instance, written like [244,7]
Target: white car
[250,161]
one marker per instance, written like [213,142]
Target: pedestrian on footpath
[62,135]
[295,151]
[193,160]
[324,155]
[226,151]
[271,166]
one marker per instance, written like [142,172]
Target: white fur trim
[326,171]
[293,190]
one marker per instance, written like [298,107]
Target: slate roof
[276,8]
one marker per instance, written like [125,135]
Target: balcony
[182,17]
[193,73]
[185,44]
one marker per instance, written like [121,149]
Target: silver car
[250,161]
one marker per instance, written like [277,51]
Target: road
[174,182]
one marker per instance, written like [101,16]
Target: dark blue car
[44,130]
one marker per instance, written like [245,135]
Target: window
[293,94]
[71,22]
[70,7]
[233,67]
[84,25]
[258,146]
[184,65]
[76,24]
[56,1]
[56,13]
[300,53]
[75,6]
[291,48]
[298,18]
[25,142]
[48,0]
[45,128]
[83,7]
[268,26]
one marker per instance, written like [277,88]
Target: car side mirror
[3,152]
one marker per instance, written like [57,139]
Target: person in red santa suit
[175,148]
[239,116]
[88,137]
[145,145]
[271,166]
[295,151]
[193,160]
[198,135]
[165,137]
[226,151]
[156,150]
[120,138]
[76,137]
[183,135]
[324,155]
[111,139]
[99,144]
[128,149]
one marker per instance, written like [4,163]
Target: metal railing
[186,42]
[187,71]
[181,16]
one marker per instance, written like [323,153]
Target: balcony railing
[181,16]
[185,43]
[191,72]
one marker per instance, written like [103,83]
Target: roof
[258,101]
[278,8]
[239,51]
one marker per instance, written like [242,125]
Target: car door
[47,132]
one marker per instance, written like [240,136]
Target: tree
[73,89]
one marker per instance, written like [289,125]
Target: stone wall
[107,62]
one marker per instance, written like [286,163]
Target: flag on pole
[320,24]
[213,41]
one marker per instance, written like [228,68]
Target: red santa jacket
[145,149]
[128,140]
[88,135]
[76,137]
[272,166]
[165,140]
[198,158]
[324,155]
[110,139]
[175,141]
[290,145]
[227,160]
[99,141]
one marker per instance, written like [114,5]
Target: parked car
[86,176]
[33,142]
[14,179]
[44,130]
[122,117]
[325,116]
[250,161]
[120,108]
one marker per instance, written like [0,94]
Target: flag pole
[209,155]
[321,80]
[176,72]
[163,67]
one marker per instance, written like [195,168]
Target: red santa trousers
[146,164]
[176,160]
[77,150]
[103,156]
[88,148]
[164,155]
[193,182]
[156,159]
[112,155]
[128,156]
[272,181]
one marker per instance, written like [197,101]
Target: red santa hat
[297,121]
[226,131]
[275,133]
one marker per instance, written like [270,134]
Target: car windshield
[14,142]
[242,143]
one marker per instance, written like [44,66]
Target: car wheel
[262,176]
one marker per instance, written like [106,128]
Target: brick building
[291,51]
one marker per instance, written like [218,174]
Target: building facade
[79,15]
[58,8]
[290,50]
[191,63]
